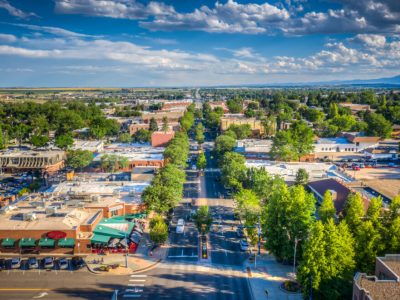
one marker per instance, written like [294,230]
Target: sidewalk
[142,260]
[268,275]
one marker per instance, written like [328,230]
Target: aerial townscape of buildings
[91,188]
[191,150]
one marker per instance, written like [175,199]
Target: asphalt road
[183,246]
[33,284]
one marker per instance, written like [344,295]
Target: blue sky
[193,43]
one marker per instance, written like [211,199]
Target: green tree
[187,121]
[201,161]
[199,133]
[288,216]
[39,140]
[378,125]
[391,222]
[333,110]
[64,141]
[159,233]
[177,151]
[224,143]
[354,211]
[165,124]
[328,259]
[293,143]
[301,176]
[241,131]
[249,208]
[2,139]
[235,105]
[142,135]
[112,162]
[327,209]
[153,125]
[125,138]
[203,219]
[233,170]
[79,159]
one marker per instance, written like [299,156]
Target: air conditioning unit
[38,204]
[51,210]
[29,217]
[95,198]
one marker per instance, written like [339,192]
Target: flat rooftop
[100,187]
[133,151]
[65,218]
[31,153]
[339,140]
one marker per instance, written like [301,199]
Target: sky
[139,43]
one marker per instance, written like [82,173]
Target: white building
[347,143]
[92,146]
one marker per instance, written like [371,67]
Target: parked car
[15,263]
[244,245]
[2,264]
[77,262]
[33,263]
[48,263]
[239,233]
[63,263]
[180,227]
[356,168]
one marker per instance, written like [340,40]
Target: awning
[110,232]
[8,242]
[66,243]
[123,242]
[27,242]
[46,242]
[99,239]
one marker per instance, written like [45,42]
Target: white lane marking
[138,275]
[41,295]
[138,280]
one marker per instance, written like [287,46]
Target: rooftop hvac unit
[29,216]
[95,198]
[132,193]
[74,203]
[38,204]
[51,210]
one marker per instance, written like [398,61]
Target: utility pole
[294,258]
[259,235]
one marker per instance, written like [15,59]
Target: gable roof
[342,192]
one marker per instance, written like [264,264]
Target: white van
[180,226]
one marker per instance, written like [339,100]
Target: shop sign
[56,235]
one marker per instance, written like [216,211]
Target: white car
[48,263]
[15,263]
[63,263]
[180,226]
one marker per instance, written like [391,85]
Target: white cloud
[52,30]
[372,40]
[120,9]
[230,17]
[8,38]
[15,11]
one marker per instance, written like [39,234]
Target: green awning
[8,242]
[46,242]
[108,231]
[27,242]
[66,242]
[99,239]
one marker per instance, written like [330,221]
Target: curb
[133,271]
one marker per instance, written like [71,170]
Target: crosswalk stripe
[138,280]
[134,290]
[139,275]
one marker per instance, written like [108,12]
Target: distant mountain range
[379,82]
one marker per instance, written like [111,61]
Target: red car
[356,168]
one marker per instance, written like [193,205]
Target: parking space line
[136,284]
[138,275]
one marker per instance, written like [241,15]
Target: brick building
[161,138]
[44,161]
[256,125]
[383,285]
